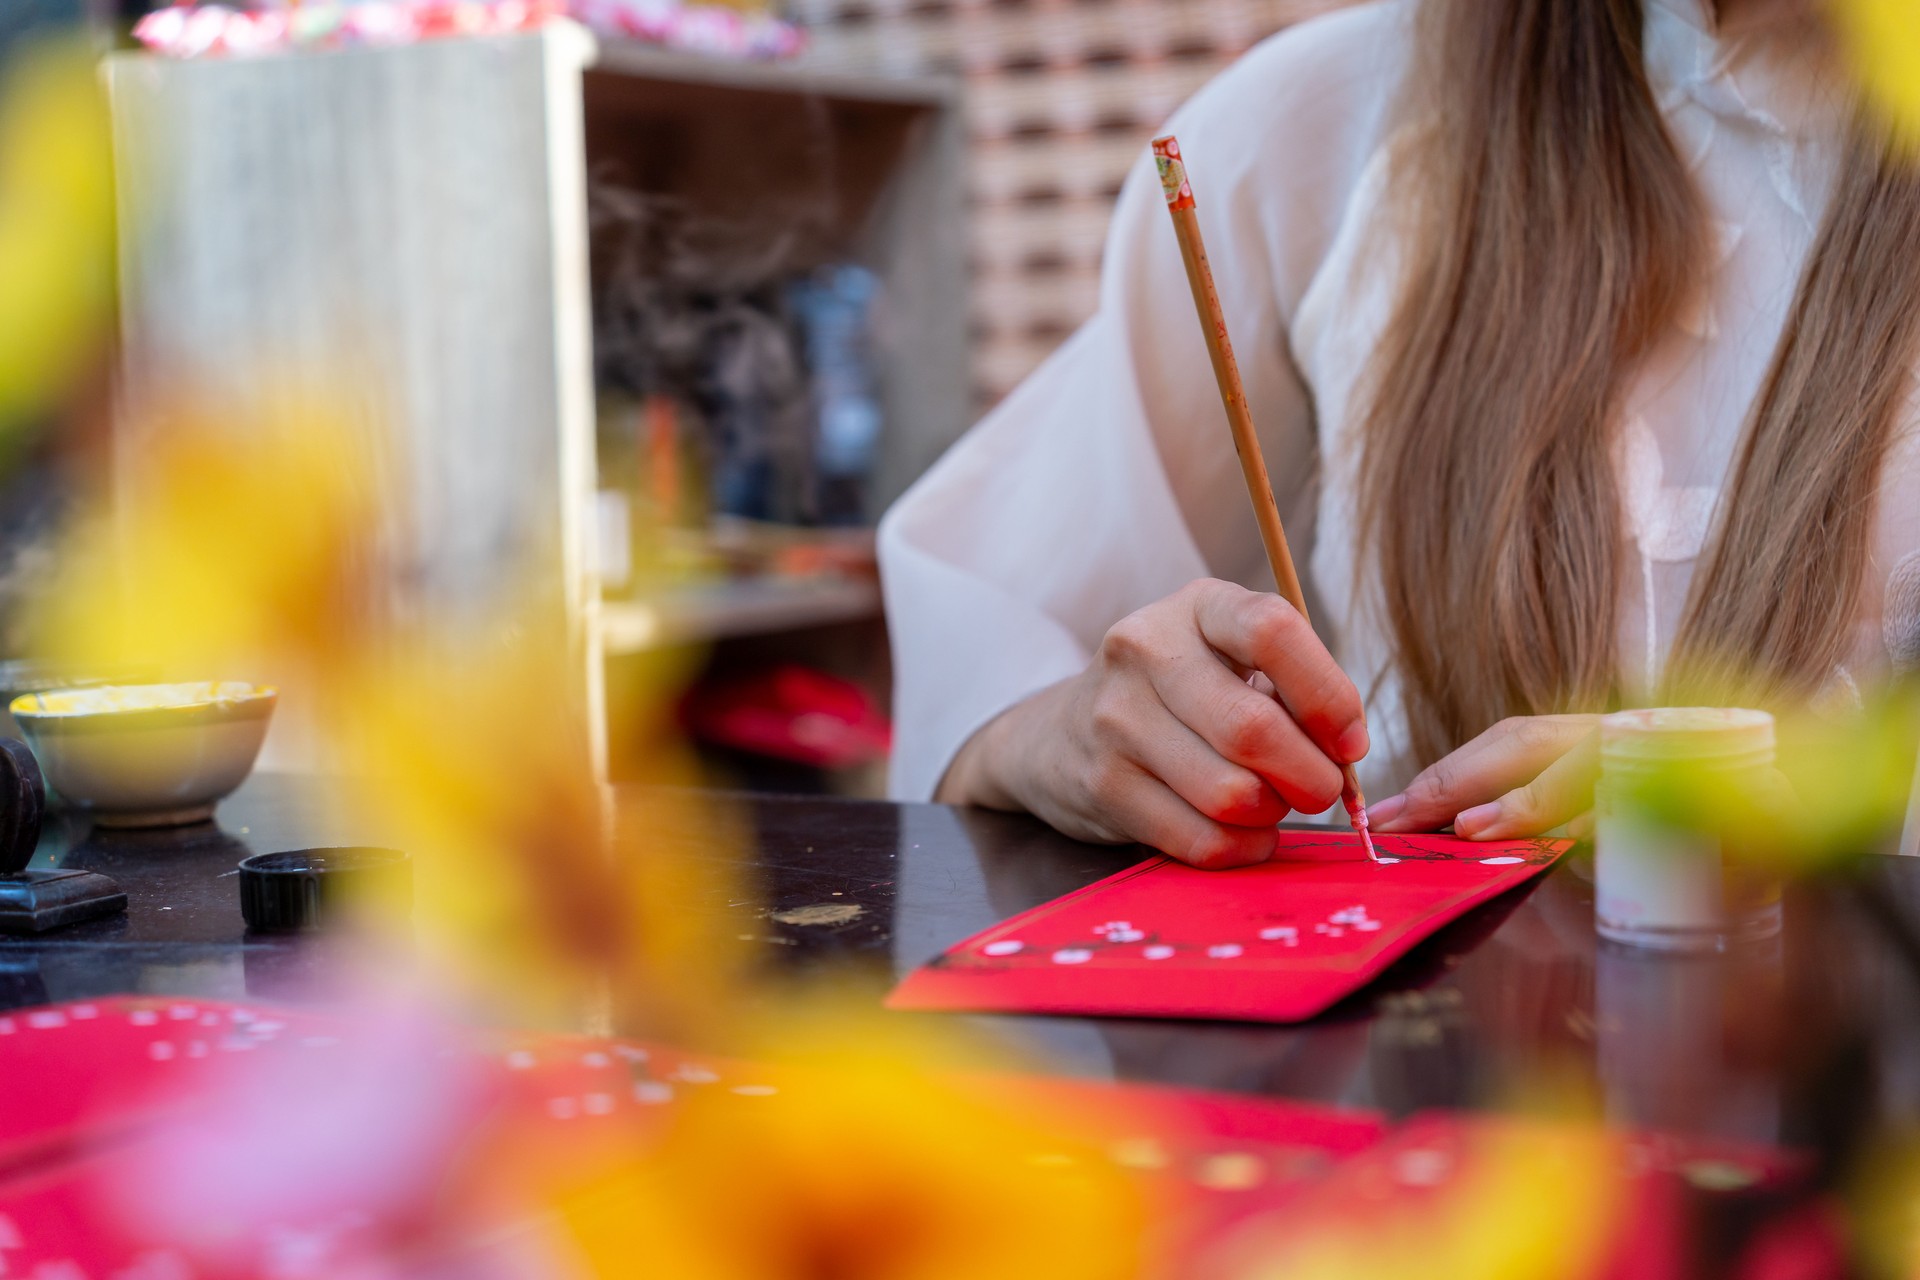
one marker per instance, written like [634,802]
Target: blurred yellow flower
[475,758]
[225,548]
[259,553]
[1528,1202]
[1882,39]
[866,1164]
[56,227]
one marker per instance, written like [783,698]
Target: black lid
[304,888]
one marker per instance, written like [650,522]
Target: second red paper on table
[1277,942]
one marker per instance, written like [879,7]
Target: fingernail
[1471,822]
[1351,745]
[1379,815]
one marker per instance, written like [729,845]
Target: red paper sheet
[1235,1181]
[1278,942]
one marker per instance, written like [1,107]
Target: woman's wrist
[986,770]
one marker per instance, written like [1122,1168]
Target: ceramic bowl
[146,755]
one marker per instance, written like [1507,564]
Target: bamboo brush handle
[1246,443]
[1253,465]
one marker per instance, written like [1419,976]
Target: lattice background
[1061,97]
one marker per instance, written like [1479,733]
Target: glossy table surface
[1784,1041]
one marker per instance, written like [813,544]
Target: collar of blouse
[1770,71]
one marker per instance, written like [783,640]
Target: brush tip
[1366,836]
[1357,815]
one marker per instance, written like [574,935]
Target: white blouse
[1108,479]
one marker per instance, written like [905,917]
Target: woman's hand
[1162,740]
[1525,776]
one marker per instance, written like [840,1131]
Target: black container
[306,888]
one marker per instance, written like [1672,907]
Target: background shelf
[732,609]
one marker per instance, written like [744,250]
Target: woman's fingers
[1153,814]
[1248,728]
[1559,793]
[1217,787]
[1504,757]
[1264,633]
[1158,741]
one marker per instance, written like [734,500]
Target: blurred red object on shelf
[791,712]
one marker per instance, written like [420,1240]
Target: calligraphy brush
[1213,323]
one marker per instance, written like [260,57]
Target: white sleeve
[1108,479]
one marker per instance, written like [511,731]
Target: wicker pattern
[1062,96]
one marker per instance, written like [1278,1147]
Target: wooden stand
[40,900]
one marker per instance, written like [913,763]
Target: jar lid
[307,888]
[1685,733]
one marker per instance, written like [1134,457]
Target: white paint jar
[1666,883]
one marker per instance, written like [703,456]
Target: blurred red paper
[116,1090]
[1277,942]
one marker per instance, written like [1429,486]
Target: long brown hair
[1554,233]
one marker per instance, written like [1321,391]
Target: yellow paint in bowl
[148,754]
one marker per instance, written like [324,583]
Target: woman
[1579,333]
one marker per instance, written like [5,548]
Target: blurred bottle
[835,307]
[755,406]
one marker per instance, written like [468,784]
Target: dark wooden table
[1810,1033]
